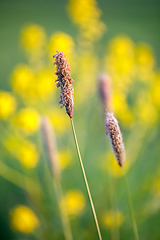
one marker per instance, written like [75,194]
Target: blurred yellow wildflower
[33,37]
[122,46]
[121,56]
[87,72]
[12,142]
[86,15]
[22,80]
[75,202]
[28,154]
[7,104]
[30,85]
[28,120]
[23,219]
[59,119]
[122,110]
[144,56]
[45,83]
[145,110]
[156,90]
[145,62]
[110,164]
[119,102]
[65,157]
[62,42]
[120,64]
[112,219]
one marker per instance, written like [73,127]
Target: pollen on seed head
[64,81]
[115,137]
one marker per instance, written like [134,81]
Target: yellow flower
[119,101]
[145,110]
[122,110]
[75,202]
[86,76]
[28,154]
[12,142]
[122,46]
[22,80]
[65,158]
[81,11]
[86,15]
[155,90]
[33,37]
[28,120]
[62,42]
[110,164]
[144,56]
[59,120]
[31,86]
[23,219]
[147,113]
[121,57]
[121,65]
[7,104]
[145,62]
[112,219]
[45,83]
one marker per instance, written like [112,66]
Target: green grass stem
[134,225]
[59,195]
[85,180]
[63,211]
[16,177]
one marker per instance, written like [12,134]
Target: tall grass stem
[63,211]
[85,180]
[15,177]
[59,197]
[134,225]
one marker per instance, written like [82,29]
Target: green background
[141,21]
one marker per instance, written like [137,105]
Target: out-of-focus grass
[129,52]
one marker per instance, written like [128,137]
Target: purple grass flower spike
[64,81]
[115,137]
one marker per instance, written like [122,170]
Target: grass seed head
[115,137]
[64,81]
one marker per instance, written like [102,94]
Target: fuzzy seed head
[64,81]
[115,138]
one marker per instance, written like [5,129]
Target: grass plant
[51,156]
[134,224]
[85,180]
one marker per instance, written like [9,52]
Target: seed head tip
[64,81]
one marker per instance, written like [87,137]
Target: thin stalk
[134,225]
[63,211]
[16,177]
[62,207]
[85,180]
[114,205]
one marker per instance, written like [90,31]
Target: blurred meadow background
[118,38]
